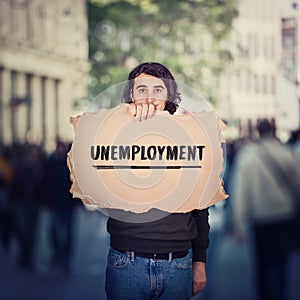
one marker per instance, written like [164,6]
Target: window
[272,47]
[273,85]
[256,84]
[43,82]
[13,119]
[266,46]
[256,45]
[264,82]
[56,95]
[288,42]
[28,100]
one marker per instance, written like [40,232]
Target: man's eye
[158,91]
[142,91]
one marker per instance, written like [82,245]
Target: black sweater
[171,233]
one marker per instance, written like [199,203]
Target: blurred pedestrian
[263,202]
[6,178]
[27,195]
[62,208]
[294,141]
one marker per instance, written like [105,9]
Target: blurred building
[43,68]
[288,78]
[262,82]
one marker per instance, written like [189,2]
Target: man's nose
[150,98]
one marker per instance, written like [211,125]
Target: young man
[164,258]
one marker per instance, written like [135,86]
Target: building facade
[43,68]
[256,86]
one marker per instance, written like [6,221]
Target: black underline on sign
[105,167]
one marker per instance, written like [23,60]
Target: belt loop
[131,256]
[170,256]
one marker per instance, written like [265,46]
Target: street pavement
[229,268]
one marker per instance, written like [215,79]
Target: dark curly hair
[160,71]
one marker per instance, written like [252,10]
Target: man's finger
[144,112]
[132,109]
[138,112]
[151,109]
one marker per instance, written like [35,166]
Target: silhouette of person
[62,205]
[262,203]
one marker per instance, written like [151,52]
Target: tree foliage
[188,36]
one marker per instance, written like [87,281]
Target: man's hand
[199,277]
[141,112]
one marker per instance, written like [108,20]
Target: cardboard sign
[170,163]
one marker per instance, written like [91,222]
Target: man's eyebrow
[141,86]
[145,86]
[159,86]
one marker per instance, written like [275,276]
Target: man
[165,258]
[262,198]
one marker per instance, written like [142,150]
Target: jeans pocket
[183,262]
[117,259]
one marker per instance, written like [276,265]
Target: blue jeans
[138,278]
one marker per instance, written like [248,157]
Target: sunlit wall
[43,68]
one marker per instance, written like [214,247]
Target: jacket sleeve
[201,242]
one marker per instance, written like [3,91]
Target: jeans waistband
[169,256]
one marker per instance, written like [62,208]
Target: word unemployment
[152,152]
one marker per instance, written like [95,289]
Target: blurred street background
[229,268]
[56,56]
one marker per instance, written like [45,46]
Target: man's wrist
[199,264]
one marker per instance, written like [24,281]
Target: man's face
[151,90]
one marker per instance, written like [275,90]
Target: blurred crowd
[235,154]
[32,181]
[262,178]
